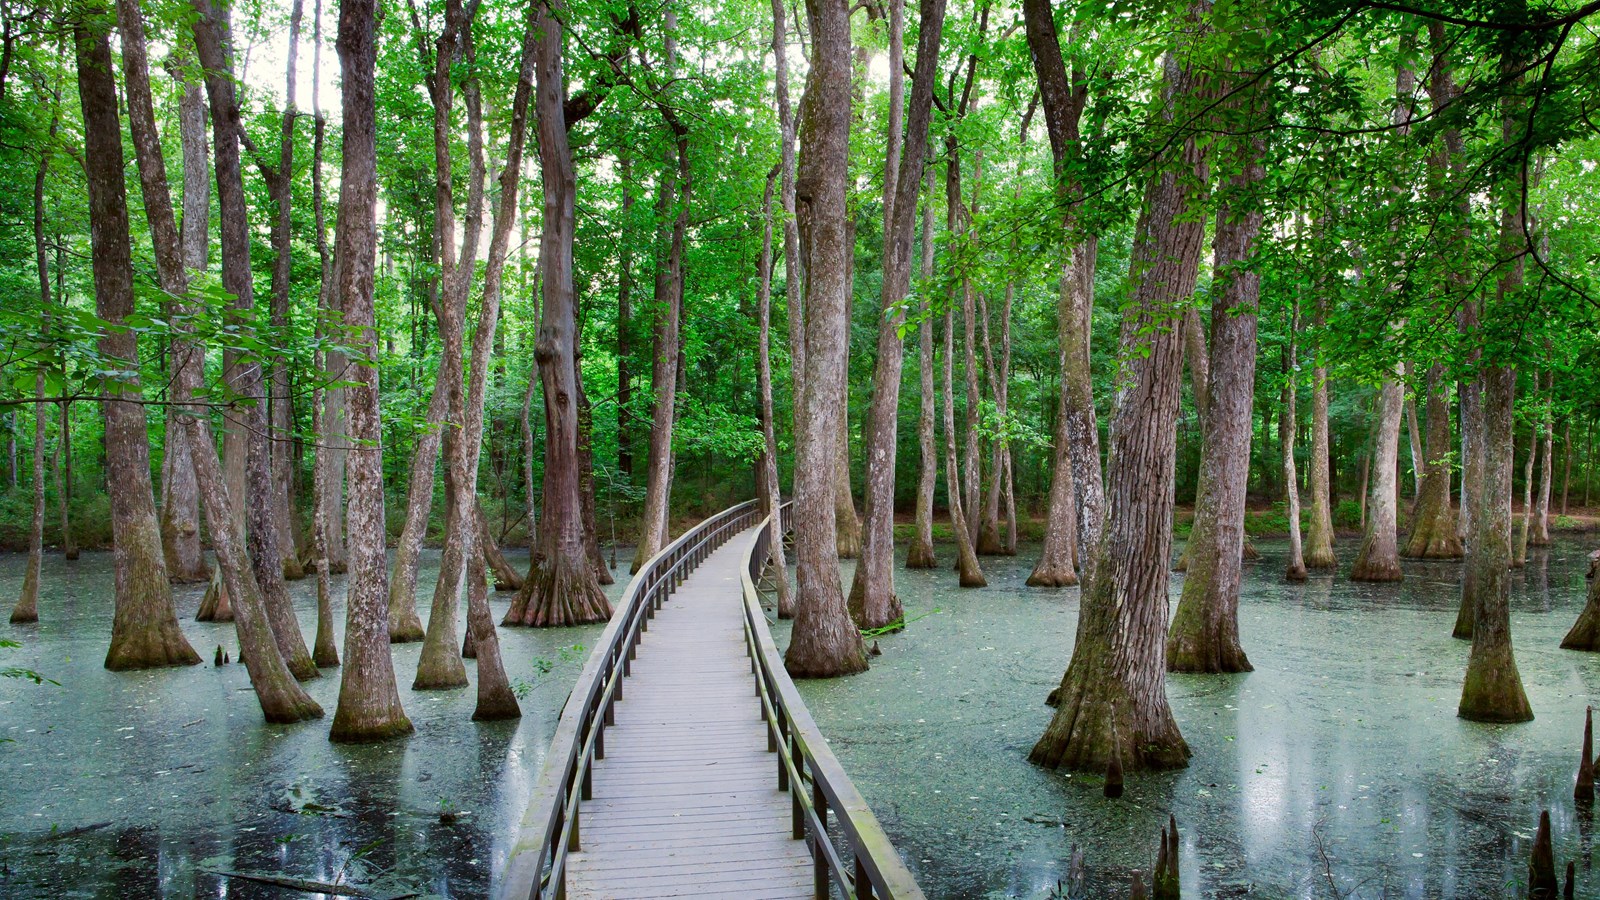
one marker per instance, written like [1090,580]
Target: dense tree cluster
[566,273]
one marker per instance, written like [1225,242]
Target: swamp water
[147,784]
[1337,768]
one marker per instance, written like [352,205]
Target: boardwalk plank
[686,804]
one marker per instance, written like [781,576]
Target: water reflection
[155,784]
[1338,762]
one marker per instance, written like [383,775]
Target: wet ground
[150,784]
[1337,768]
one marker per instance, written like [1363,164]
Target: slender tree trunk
[967,565]
[1414,434]
[664,363]
[625,323]
[1198,360]
[69,547]
[1078,430]
[793,266]
[27,607]
[506,578]
[1205,629]
[1492,689]
[771,489]
[1433,530]
[281,407]
[405,625]
[561,588]
[1566,464]
[873,603]
[1519,546]
[1378,559]
[369,701]
[824,641]
[1539,533]
[1319,537]
[1296,570]
[144,630]
[1112,702]
[213,41]
[325,651]
[920,555]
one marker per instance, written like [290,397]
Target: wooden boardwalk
[685,802]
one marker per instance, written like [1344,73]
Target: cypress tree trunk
[369,702]
[405,625]
[144,630]
[561,588]
[1519,546]
[967,565]
[1205,629]
[280,184]
[1319,538]
[625,323]
[824,641]
[1492,690]
[1112,701]
[324,652]
[873,603]
[1378,559]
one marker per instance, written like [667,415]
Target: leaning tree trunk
[214,44]
[1205,628]
[404,624]
[1433,530]
[873,603]
[920,555]
[824,642]
[561,588]
[144,630]
[506,578]
[369,701]
[1112,701]
[1378,559]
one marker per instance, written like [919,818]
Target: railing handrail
[794,736]
[548,828]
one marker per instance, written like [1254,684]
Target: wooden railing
[818,786]
[550,829]
[819,789]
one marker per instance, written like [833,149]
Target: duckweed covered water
[148,784]
[1337,768]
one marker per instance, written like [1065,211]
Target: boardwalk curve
[671,770]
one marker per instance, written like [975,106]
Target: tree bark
[873,603]
[1378,559]
[625,323]
[920,555]
[561,588]
[1492,690]
[970,571]
[1112,701]
[824,641]
[1205,629]
[325,650]
[280,403]
[1433,530]
[1319,538]
[1519,545]
[793,266]
[369,701]
[144,630]
[405,625]
[1078,431]
[214,44]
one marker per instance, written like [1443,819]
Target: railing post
[575,841]
[819,860]
[863,882]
